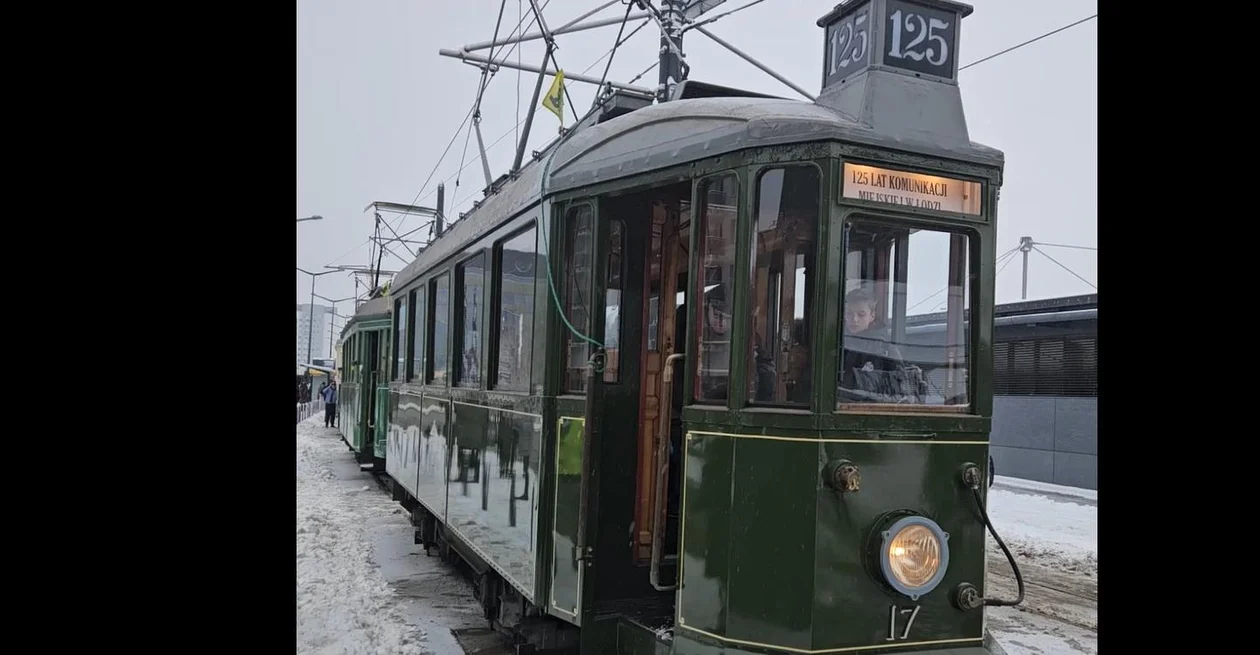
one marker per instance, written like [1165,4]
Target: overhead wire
[468,116]
[518,80]
[720,16]
[516,128]
[616,42]
[521,121]
[1043,254]
[1032,40]
[1005,255]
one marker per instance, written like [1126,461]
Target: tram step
[641,639]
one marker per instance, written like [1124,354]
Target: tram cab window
[783,252]
[578,267]
[719,198]
[904,302]
[612,301]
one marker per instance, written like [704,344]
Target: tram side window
[784,247]
[472,297]
[352,352]
[577,288]
[384,357]
[612,301]
[904,303]
[439,307]
[719,199]
[518,262]
[400,339]
[417,335]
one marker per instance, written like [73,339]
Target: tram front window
[904,302]
[783,251]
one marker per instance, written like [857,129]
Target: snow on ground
[1054,526]
[344,605]
[1053,533]
[1023,633]
[1004,482]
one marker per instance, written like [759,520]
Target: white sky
[377,105]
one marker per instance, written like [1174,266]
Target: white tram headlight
[914,555]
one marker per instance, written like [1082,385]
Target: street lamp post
[310,323]
[334,313]
[316,217]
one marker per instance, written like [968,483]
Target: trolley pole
[1025,247]
[441,206]
[671,67]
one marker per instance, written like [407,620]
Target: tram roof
[681,131]
[672,133]
[375,308]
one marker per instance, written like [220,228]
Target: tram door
[663,352]
[367,391]
[637,267]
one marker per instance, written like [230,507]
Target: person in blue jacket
[330,403]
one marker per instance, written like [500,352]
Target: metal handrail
[306,410]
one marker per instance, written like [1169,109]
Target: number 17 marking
[892,621]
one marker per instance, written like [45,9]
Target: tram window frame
[525,368]
[352,348]
[809,291]
[418,340]
[431,367]
[697,298]
[384,355]
[571,343]
[400,368]
[461,318]
[614,333]
[967,329]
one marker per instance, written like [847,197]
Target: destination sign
[913,190]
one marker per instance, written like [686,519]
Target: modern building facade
[317,333]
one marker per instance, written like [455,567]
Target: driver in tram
[871,365]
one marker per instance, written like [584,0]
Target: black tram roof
[376,308]
[678,132]
[682,131]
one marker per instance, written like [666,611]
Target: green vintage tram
[658,388]
[365,344]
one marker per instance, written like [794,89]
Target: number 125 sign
[848,46]
[914,37]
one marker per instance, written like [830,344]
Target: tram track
[1070,598]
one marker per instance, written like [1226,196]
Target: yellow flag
[554,100]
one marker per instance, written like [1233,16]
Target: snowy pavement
[1053,533]
[364,587]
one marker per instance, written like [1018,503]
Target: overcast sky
[377,105]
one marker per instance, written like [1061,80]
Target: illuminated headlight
[914,555]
